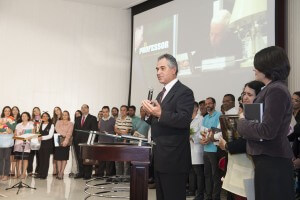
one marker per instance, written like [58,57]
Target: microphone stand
[20,184]
[127,137]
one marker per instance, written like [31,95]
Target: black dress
[45,151]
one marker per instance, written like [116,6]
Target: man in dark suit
[86,122]
[170,116]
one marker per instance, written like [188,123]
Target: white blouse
[51,132]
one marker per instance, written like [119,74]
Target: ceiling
[122,4]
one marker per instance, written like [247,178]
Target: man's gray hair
[171,61]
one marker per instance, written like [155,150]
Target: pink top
[64,128]
[20,130]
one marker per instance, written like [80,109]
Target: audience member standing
[295,138]
[47,143]
[229,105]
[115,112]
[61,154]
[57,115]
[107,126]
[196,176]
[240,164]
[36,118]
[202,108]
[211,159]
[140,128]
[7,126]
[123,126]
[86,122]
[17,116]
[74,168]
[26,126]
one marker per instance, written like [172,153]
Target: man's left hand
[152,107]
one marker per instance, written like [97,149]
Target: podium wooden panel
[139,156]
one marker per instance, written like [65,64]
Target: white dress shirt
[168,87]
[196,147]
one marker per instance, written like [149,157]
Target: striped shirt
[124,124]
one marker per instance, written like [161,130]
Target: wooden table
[139,156]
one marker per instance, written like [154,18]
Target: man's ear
[174,70]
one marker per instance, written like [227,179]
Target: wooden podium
[139,156]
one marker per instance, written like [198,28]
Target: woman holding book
[46,138]
[17,116]
[57,115]
[267,141]
[61,154]
[7,127]
[26,126]
[237,150]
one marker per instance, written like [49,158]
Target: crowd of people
[259,164]
[216,163]
[58,136]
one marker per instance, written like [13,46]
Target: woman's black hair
[273,62]
[255,85]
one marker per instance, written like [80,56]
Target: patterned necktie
[82,120]
[161,95]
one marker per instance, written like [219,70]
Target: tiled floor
[52,188]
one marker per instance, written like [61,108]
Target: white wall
[293,42]
[63,53]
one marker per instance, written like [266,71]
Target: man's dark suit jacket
[90,124]
[171,132]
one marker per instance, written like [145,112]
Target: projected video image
[154,38]
[211,40]
[227,34]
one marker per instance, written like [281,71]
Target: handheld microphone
[150,94]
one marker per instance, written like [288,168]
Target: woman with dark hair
[61,154]
[296,106]
[16,114]
[74,168]
[26,126]
[267,141]
[36,119]
[46,138]
[57,115]
[7,127]
[237,149]
[78,113]
[295,138]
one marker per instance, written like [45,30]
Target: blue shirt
[135,121]
[142,127]
[208,122]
